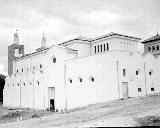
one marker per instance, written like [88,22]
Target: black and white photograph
[79,63]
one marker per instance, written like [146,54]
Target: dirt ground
[8,114]
[141,111]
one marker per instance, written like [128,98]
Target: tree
[2,83]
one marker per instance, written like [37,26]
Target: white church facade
[80,72]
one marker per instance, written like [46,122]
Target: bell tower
[43,42]
[15,50]
[16,38]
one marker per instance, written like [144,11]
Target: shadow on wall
[2,83]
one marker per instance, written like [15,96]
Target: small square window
[139,89]
[152,89]
[92,79]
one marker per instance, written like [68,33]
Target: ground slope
[131,112]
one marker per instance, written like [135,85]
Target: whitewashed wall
[84,49]
[104,70]
[32,95]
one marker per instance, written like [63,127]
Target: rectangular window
[101,47]
[124,72]
[107,46]
[98,48]
[104,47]
[139,89]
[94,49]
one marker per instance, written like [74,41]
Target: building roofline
[77,38]
[41,51]
[151,39]
[115,34]
[90,40]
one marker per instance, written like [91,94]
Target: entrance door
[51,98]
[125,90]
[52,108]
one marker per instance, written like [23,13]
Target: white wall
[32,95]
[83,48]
[103,68]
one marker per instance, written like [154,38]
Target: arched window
[80,79]
[70,80]
[40,66]
[157,47]
[151,72]
[37,82]
[53,59]
[149,49]
[138,72]
[91,78]
[153,48]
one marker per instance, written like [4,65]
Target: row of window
[138,72]
[81,80]
[24,84]
[33,67]
[153,48]
[140,89]
[126,45]
[101,48]
[27,69]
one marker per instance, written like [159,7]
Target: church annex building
[81,71]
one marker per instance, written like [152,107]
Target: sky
[62,20]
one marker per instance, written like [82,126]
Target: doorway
[125,90]
[51,98]
[52,107]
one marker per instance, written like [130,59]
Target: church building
[79,72]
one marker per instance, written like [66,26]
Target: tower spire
[16,38]
[43,42]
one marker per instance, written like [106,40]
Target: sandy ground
[131,112]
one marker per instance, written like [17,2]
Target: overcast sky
[62,20]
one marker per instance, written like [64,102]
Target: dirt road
[116,113]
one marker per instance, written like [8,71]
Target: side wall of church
[107,69]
